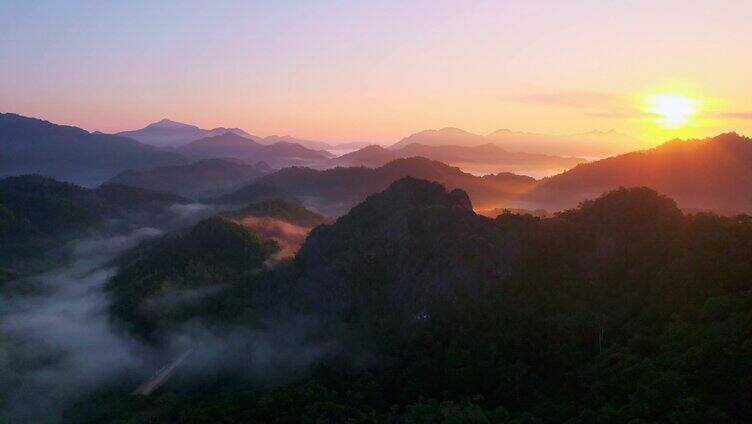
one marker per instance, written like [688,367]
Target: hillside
[372,156]
[489,154]
[708,174]
[68,153]
[229,145]
[226,145]
[334,191]
[586,144]
[442,137]
[212,253]
[290,212]
[208,177]
[167,133]
[39,214]
[615,311]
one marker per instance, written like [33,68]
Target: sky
[378,71]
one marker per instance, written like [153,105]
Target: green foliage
[621,311]
[281,209]
[213,253]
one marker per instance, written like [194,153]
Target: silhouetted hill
[41,205]
[291,212]
[308,144]
[712,173]
[229,145]
[442,137]
[226,145]
[334,191]
[621,310]
[214,252]
[208,177]
[406,246]
[137,199]
[166,133]
[68,153]
[587,144]
[488,154]
[38,214]
[370,156]
[290,153]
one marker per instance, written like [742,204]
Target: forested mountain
[334,191]
[208,177]
[488,154]
[290,212]
[38,214]
[370,156]
[68,153]
[707,174]
[214,252]
[226,145]
[167,133]
[621,310]
[457,155]
[229,145]
[587,144]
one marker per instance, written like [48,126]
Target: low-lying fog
[57,342]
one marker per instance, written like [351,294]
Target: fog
[289,236]
[58,343]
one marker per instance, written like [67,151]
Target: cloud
[730,115]
[592,103]
[57,343]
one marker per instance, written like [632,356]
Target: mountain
[226,145]
[207,256]
[137,199]
[287,223]
[488,154]
[208,177]
[334,191]
[372,156]
[588,144]
[308,144]
[290,212]
[68,153]
[442,137]
[166,133]
[408,245]
[623,309]
[38,214]
[708,174]
[230,145]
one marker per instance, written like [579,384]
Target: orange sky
[336,71]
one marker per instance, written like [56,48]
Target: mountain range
[167,133]
[72,154]
[589,144]
[486,155]
[230,145]
[207,177]
[708,174]
[334,191]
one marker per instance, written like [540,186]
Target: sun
[673,111]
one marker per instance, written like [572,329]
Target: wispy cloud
[729,115]
[592,103]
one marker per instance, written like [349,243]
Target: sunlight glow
[673,111]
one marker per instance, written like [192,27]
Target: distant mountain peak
[167,123]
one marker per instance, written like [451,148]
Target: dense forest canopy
[621,310]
